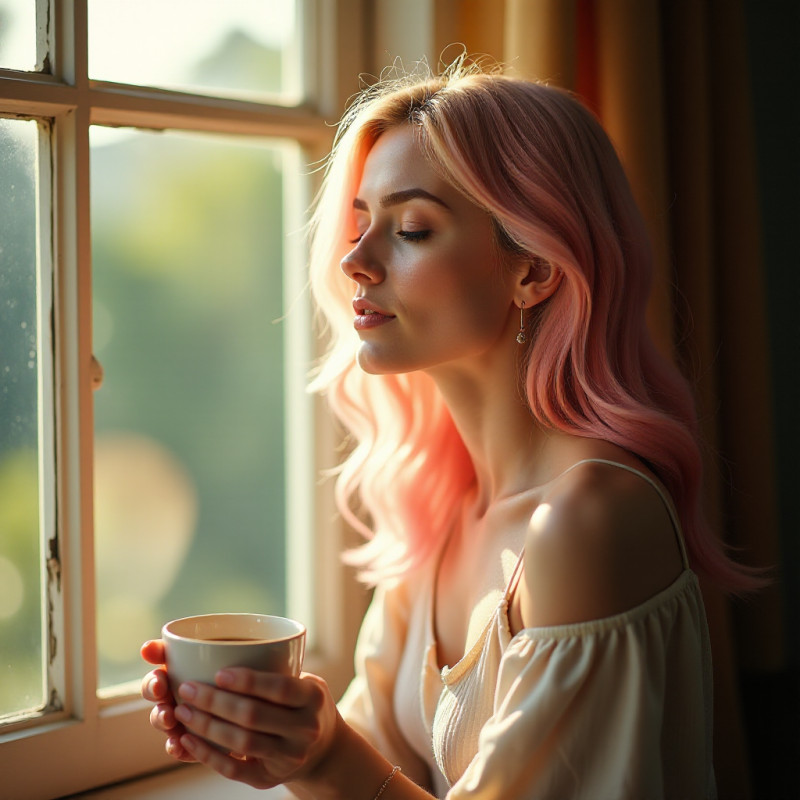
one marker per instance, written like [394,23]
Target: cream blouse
[619,707]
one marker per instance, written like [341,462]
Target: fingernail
[188,742]
[183,713]
[154,687]
[187,691]
[224,678]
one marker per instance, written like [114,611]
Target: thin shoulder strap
[515,576]
[676,525]
[517,573]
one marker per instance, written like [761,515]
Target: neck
[509,449]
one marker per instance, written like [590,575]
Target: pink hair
[542,166]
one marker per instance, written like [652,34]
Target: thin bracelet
[394,772]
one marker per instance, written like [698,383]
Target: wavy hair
[541,165]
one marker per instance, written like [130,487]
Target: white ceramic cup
[198,647]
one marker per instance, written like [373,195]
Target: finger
[155,686]
[243,711]
[282,690]
[233,738]
[245,770]
[162,718]
[176,749]
[153,652]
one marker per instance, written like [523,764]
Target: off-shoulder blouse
[613,708]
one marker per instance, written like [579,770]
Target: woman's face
[431,290]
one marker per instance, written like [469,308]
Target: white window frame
[91,741]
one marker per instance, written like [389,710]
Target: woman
[526,469]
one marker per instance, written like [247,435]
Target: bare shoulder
[600,542]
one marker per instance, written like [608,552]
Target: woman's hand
[277,728]
[155,688]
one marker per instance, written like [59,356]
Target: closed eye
[413,236]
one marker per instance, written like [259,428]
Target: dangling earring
[521,337]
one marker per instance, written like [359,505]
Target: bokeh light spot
[12,589]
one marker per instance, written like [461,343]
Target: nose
[361,265]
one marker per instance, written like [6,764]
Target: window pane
[239,48]
[21,662]
[18,34]
[189,482]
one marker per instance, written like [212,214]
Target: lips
[364,307]
[369,315]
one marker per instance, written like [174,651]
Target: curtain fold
[540,40]
[698,318]
[631,106]
[745,398]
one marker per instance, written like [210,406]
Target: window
[155,164]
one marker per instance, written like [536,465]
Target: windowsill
[185,783]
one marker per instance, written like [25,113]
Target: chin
[376,369]
[374,365]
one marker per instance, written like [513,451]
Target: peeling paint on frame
[44,37]
[52,572]
[54,597]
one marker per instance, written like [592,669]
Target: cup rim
[167,633]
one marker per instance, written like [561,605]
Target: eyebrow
[403,196]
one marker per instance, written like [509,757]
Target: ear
[537,280]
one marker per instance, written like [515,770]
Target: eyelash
[409,236]
[413,236]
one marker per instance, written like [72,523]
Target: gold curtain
[669,81]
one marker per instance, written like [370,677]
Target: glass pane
[21,662]
[187,238]
[18,34]
[239,48]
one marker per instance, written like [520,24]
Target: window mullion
[84,609]
[34,96]
[75,441]
[299,445]
[44,32]
[135,106]
[74,353]
[70,48]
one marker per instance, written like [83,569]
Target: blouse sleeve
[367,704]
[617,708]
